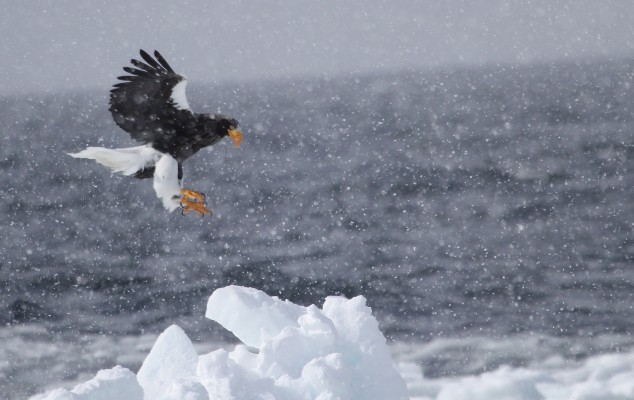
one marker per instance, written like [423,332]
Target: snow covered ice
[605,377]
[288,352]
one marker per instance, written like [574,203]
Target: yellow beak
[236,136]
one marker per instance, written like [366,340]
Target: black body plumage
[146,106]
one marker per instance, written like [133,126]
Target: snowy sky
[48,45]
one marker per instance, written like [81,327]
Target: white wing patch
[166,184]
[179,97]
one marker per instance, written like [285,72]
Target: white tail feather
[127,161]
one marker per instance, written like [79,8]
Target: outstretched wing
[150,103]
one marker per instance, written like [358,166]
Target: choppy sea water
[488,208]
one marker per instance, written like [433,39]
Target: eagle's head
[226,126]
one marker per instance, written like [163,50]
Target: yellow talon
[193,201]
[193,195]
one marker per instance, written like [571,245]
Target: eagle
[150,104]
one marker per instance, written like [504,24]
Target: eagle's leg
[193,201]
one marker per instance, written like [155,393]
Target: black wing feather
[148,59]
[161,60]
[141,65]
[142,105]
[138,72]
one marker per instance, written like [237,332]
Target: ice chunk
[315,337]
[172,357]
[225,379]
[250,314]
[115,383]
[290,352]
[337,352]
[364,347]
[501,384]
[186,389]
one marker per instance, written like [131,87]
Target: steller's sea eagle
[150,104]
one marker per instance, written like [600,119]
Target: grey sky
[49,45]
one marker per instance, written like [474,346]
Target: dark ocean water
[493,202]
